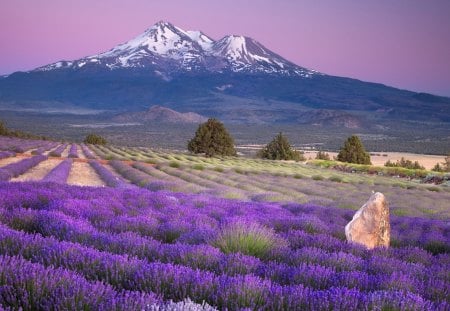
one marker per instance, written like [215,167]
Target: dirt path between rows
[6,161]
[39,171]
[82,174]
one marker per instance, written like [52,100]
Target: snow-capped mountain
[166,48]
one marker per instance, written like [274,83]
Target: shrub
[280,149]
[353,152]
[95,139]
[174,164]
[437,168]
[321,155]
[405,163]
[298,176]
[317,177]
[335,178]
[198,167]
[212,138]
[248,238]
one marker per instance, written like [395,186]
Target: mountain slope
[234,78]
[158,114]
[168,49]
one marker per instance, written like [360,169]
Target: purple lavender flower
[60,173]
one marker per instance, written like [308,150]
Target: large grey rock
[370,225]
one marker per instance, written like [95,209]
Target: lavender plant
[73,151]
[15,169]
[58,151]
[108,177]
[160,243]
[60,173]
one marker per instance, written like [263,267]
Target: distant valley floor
[411,137]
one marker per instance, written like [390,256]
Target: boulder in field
[370,225]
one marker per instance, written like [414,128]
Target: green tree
[95,139]
[3,129]
[280,149]
[212,138]
[353,152]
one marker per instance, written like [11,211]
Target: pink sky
[402,43]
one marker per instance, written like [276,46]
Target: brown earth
[6,161]
[39,171]
[82,174]
[379,158]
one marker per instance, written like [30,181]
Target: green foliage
[317,177]
[353,152]
[249,239]
[198,167]
[174,164]
[95,139]
[405,163]
[335,178]
[443,167]
[438,168]
[212,138]
[280,149]
[322,155]
[4,131]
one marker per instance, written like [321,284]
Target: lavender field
[171,231]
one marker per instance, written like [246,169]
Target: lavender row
[87,152]
[6,154]
[367,275]
[58,151]
[18,168]
[177,282]
[21,145]
[139,178]
[108,177]
[31,286]
[44,148]
[73,151]
[179,213]
[60,173]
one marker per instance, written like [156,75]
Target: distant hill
[158,114]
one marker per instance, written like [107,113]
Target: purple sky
[402,43]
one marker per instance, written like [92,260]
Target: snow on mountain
[166,48]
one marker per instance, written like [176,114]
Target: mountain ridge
[234,78]
[188,51]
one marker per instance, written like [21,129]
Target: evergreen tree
[447,163]
[3,129]
[280,149]
[353,152]
[95,139]
[212,138]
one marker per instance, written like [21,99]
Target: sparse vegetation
[353,152]
[405,163]
[4,131]
[95,139]
[212,139]
[322,155]
[280,149]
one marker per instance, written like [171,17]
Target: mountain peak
[168,49]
